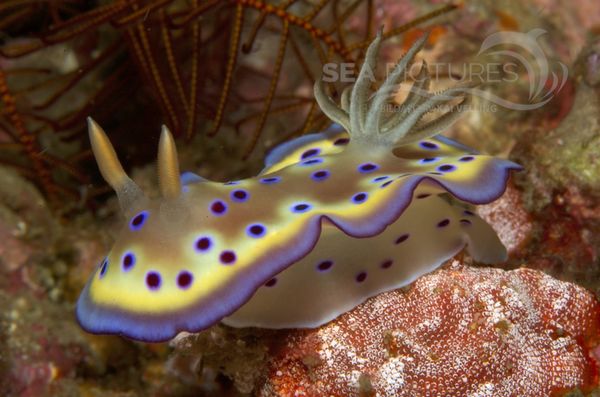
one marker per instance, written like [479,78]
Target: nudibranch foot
[334,218]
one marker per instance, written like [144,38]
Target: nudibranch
[334,218]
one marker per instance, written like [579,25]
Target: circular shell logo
[526,52]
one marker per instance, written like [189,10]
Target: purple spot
[310,153]
[367,167]
[301,207]
[227,257]
[380,178]
[428,145]
[138,221]
[218,207]
[270,180]
[184,279]
[341,141]
[360,198]
[423,195]
[128,261]
[311,162]
[386,184]
[428,160]
[387,264]
[324,266]
[232,183]
[360,277]
[402,238]
[446,168]
[465,222]
[256,230]
[239,195]
[271,282]
[103,268]
[443,223]
[153,280]
[467,212]
[320,175]
[467,158]
[203,244]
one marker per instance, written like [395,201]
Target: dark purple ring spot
[402,238]
[311,162]
[429,145]
[465,222]
[128,261]
[360,277]
[324,266]
[467,212]
[300,207]
[360,198]
[429,160]
[271,282]
[310,153]
[103,268]
[270,180]
[138,221]
[227,257]
[256,230]
[386,184]
[467,158]
[341,141]
[423,195]
[446,168]
[367,167]
[203,244]
[218,207]
[380,178]
[320,175]
[153,280]
[184,279]
[387,264]
[239,195]
[443,223]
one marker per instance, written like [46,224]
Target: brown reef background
[232,79]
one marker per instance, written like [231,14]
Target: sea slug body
[367,206]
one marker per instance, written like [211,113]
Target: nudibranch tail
[127,190]
[363,117]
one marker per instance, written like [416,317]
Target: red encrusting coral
[510,220]
[458,331]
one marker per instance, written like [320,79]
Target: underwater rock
[458,331]
[40,351]
[239,354]
[561,188]
[26,224]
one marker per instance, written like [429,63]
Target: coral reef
[459,331]
[86,65]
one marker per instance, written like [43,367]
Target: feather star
[336,217]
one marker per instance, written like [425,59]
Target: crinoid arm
[362,113]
